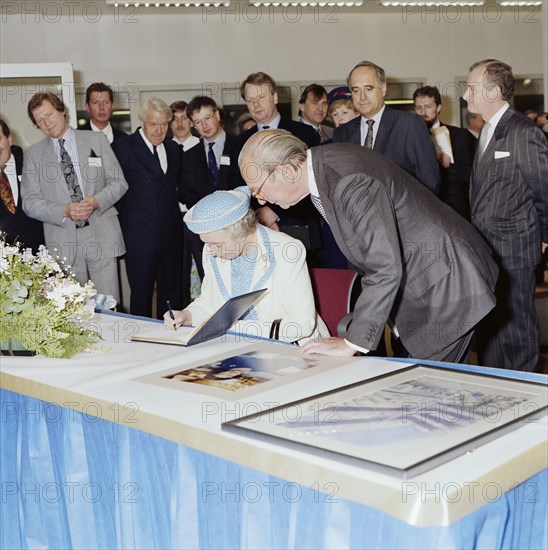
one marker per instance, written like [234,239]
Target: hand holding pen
[173,319]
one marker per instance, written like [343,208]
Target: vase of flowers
[43,309]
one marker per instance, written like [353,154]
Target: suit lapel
[49,158]
[482,165]
[385,129]
[147,158]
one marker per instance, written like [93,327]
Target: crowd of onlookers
[99,195]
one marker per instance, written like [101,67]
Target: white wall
[132,48]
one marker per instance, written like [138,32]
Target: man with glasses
[149,212]
[429,276]
[205,170]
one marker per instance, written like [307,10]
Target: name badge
[225,160]
[95,161]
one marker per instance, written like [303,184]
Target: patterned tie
[482,145]
[70,176]
[319,206]
[212,164]
[369,137]
[6,192]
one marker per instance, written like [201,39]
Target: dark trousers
[455,194]
[457,352]
[509,337]
[145,268]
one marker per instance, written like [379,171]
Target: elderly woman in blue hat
[241,256]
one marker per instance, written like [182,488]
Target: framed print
[402,423]
[252,370]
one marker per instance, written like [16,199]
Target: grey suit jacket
[426,269]
[509,192]
[45,193]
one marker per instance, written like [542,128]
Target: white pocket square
[501,154]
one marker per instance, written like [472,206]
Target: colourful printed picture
[242,371]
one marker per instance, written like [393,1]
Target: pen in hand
[171,314]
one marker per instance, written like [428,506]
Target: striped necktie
[319,206]
[369,137]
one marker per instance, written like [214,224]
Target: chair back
[335,292]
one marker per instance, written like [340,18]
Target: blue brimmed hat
[337,94]
[218,210]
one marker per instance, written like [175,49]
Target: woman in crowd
[341,107]
[242,256]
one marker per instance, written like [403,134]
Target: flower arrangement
[42,306]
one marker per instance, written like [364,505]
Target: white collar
[312,184]
[495,119]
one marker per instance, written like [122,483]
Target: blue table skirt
[70,480]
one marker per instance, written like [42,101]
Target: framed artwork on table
[402,423]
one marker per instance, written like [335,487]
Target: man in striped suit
[509,207]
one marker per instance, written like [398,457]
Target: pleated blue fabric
[72,480]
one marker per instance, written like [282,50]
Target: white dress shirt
[107,130]
[364,127]
[160,149]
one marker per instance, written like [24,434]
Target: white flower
[8,250]
[27,256]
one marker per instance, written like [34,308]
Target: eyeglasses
[206,119]
[256,192]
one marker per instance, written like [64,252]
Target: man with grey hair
[402,137]
[430,277]
[149,212]
[509,207]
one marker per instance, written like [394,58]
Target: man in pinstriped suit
[509,207]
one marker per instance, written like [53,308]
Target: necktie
[212,165]
[6,192]
[70,176]
[320,134]
[266,127]
[369,137]
[155,153]
[319,206]
[482,145]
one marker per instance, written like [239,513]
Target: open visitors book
[213,327]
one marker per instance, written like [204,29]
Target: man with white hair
[149,212]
